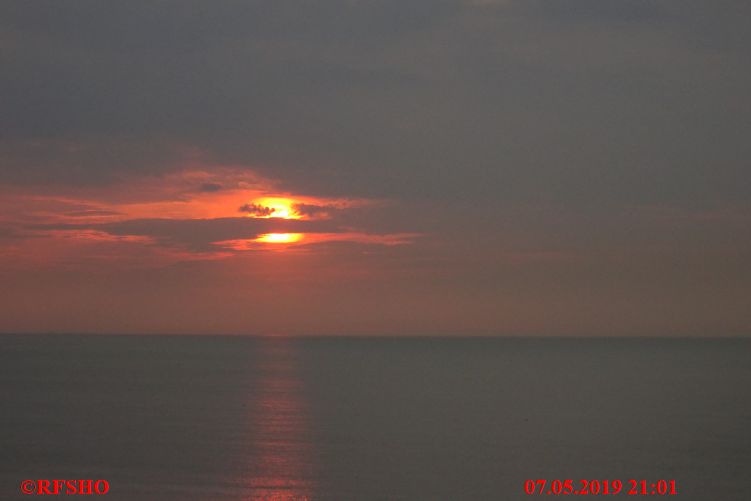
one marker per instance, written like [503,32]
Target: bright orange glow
[388,239]
[280,238]
[193,194]
[78,224]
[280,207]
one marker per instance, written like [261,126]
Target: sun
[282,208]
[280,238]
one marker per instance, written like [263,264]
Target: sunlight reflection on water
[281,457]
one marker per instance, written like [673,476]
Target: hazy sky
[549,167]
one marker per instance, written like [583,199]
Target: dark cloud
[257,210]
[198,235]
[210,187]
[312,210]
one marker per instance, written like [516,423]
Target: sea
[347,418]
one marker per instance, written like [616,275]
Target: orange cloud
[199,213]
[300,239]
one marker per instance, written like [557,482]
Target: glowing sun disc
[282,208]
[279,238]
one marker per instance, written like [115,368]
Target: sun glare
[281,207]
[280,238]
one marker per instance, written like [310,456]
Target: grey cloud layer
[198,235]
[608,101]
[572,166]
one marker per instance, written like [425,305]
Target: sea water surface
[238,418]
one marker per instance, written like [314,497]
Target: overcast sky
[475,167]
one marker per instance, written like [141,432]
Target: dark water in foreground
[213,418]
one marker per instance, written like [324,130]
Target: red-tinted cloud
[206,213]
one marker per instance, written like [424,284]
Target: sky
[355,167]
